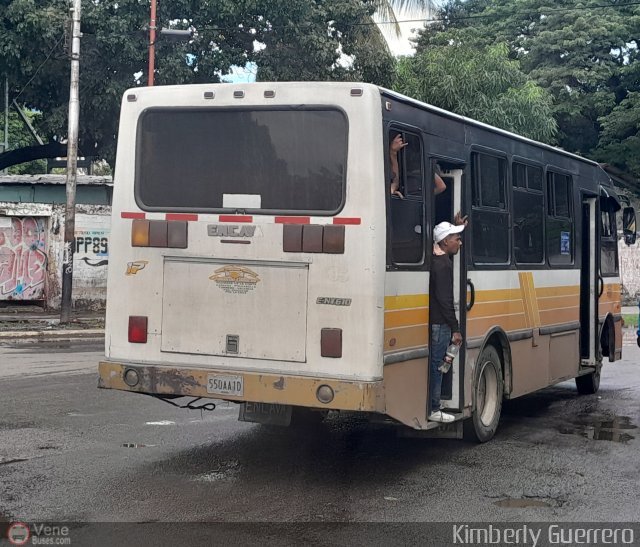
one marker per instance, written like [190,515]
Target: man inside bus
[447,241]
[397,144]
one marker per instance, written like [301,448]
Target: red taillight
[137,329]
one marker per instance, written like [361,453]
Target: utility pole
[152,43]
[72,169]
[6,116]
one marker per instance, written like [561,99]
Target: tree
[302,39]
[19,136]
[483,84]
[582,52]
[387,10]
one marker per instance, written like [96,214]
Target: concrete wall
[93,226]
[630,272]
[30,266]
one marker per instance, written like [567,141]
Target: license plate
[225,384]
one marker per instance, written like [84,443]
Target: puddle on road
[601,429]
[521,503]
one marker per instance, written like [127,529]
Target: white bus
[258,256]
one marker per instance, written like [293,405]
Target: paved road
[69,451]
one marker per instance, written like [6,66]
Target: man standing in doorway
[442,316]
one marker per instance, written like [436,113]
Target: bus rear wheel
[589,383]
[487,398]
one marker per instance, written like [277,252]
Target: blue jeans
[440,338]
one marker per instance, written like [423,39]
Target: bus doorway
[588,283]
[447,204]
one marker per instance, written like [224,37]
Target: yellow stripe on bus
[405,301]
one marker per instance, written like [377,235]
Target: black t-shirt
[441,310]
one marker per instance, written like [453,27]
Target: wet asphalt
[71,452]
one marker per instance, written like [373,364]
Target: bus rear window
[284,160]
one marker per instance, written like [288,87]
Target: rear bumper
[260,388]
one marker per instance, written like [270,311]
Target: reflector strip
[293,220]
[180,216]
[132,215]
[344,220]
[235,218]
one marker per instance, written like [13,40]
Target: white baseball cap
[445,229]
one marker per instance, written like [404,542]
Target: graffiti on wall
[23,258]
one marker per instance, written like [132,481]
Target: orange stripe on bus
[481,325]
[132,215]
[557,317]
[345,220]
[406,318]
[486,309]
[558,302]
[563,290]
[410,337]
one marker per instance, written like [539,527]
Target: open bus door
[447,205]
[589,284]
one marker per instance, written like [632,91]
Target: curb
[39,335]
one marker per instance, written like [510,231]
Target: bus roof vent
[132,97]
[269,94]
[356,92]
[209,94]
[238,94]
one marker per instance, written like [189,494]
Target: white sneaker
[443,417]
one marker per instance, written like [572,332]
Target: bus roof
[471,121]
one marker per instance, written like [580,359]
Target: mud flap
[266,413]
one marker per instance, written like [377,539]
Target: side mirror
[629,225]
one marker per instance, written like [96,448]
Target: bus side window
[559,224]
[406,213]
[489,215]
[528,214]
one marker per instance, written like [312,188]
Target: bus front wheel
[487,398]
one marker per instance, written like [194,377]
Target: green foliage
[20,136]
[301,37]
[620,138]
[483,84]
[583,52]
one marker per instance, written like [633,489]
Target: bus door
[588,281]
[447,205]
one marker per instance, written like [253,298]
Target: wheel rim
[487,394]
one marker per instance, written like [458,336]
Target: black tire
[487,398]
[589,383]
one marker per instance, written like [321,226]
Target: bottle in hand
[449,356]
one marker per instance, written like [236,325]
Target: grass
[630,320]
